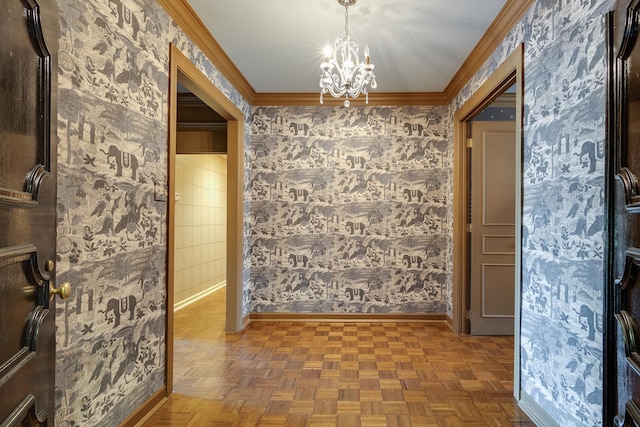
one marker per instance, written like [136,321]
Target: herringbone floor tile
[335,374]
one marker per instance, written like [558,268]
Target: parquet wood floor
[335,374]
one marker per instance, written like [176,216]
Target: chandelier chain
[346,22]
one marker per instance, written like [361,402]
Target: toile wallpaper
[563,218]
[350,210]
[345,210]
[112,207]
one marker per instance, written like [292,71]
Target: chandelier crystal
[342,72]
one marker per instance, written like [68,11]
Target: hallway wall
[112,210]
[200,253]
[563,201]
[350,210]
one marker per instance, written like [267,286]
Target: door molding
[510,72]
[203,88]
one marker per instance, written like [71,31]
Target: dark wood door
[622,296]
[28,31]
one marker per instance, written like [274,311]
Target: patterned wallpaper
[350,210]
[112,163]
[336,206]
[563,219]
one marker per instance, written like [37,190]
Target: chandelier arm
[336,89]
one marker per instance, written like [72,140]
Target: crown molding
[188,99]
[509,16]
[201,126]
[505,100]
[182,13]
[375,99]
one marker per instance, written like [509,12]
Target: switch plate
[159,193]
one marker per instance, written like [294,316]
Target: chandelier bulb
[327,53]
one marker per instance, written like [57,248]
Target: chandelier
[342,72]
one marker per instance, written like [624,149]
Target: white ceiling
[416,45]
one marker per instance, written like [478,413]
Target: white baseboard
[182,304]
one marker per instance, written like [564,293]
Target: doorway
[491,284]
[201,200]
[184,71]
[200,227]
[510,73]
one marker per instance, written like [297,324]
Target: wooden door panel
[27,211]
[497,290]
[28,341]
[623,366]
[19,295]
[25,110]
[498,177]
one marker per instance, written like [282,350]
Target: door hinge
[468,315]
[469,142]
[469,228]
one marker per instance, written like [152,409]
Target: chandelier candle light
[342,71]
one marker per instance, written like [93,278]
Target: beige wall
[200,234]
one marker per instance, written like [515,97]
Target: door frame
[203,88]
[511,71]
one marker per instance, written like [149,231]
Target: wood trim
[201,126]
[235,221]
[182,13]
[461,245]
[147,409]
[612,166]
[190,100]
[202,87]
[505,100]
[348,317]
[246,321]
[449,322]
[375,99]
[490,90]
[171,213]
[512,70]
[198,84]
[509,16]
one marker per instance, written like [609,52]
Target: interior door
[493,207]
[623,292]
[28,31]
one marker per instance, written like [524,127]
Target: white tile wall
[200,251]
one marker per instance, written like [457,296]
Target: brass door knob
[63,291]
